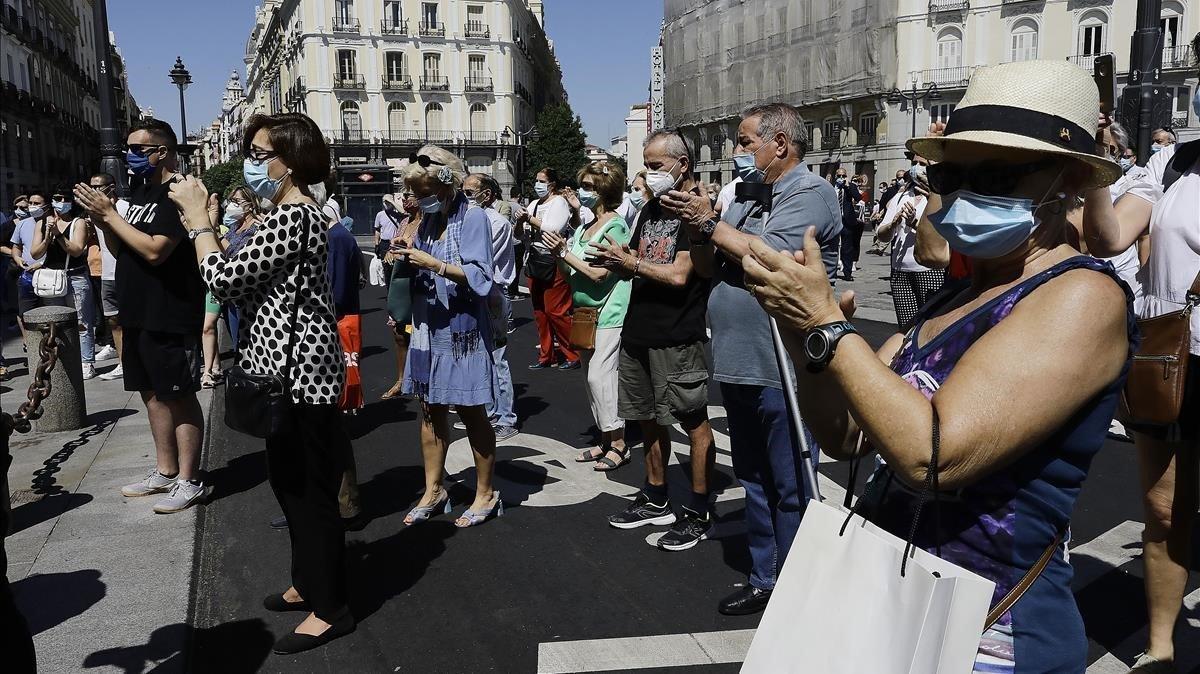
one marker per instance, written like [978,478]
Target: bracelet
[442,271]
[637,265]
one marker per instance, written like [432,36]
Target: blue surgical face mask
[541,189]
[746,167]
[259,180]
[1126,163]
[985,227]
[36,212]
[61,207]
[637,199]
[430,204]
[139,165]
[1154,149]
[21,213]
[233,215]
[586,198]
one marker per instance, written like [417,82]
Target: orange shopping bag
[350,330]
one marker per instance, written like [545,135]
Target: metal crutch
[789,391]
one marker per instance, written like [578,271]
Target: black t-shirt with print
[168,297]
[660,315]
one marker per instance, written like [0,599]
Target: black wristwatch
[705,230]
[821,341]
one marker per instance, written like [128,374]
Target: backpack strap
[1185,157]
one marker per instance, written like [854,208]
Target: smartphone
[1103,71]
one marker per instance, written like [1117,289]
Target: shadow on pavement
[52,506]
[240,474]
[391,491]
[526,406]
[240,646]
[388,567]
[50,599]
[376,414]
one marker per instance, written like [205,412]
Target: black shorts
[164,363]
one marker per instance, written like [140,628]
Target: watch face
[816,346]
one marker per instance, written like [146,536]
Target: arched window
[949,49]
[351,121]
[1023,43]
[1171,23]
[433,119]
[1093,34]
[397,120]
[479,120]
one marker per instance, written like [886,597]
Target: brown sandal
[393,392]
[591,455]
[605,464]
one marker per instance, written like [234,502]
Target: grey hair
[674,144]
[1120,135]
[449,165]
[782,118]
[489,183]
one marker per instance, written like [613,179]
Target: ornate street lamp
[111,161]
[181,78]
[930,93]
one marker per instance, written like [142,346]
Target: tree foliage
[222,178]
[561,144]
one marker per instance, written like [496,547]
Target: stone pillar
[66,408]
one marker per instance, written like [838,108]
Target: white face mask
[661,182]
[541,189]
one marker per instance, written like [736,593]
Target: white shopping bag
[375,272]
[840,605]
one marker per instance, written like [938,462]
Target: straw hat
[1045,106]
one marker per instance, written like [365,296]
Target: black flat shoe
[294,642]
[745,601]
[276,603]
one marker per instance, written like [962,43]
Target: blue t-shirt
[743,352]
[344,270]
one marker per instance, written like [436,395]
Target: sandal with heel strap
[605,464]
[476,517]
[421,513]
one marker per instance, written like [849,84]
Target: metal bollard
[66,407]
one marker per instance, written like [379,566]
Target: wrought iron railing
[432,29]
[349,81]
[478,84]
[435,83]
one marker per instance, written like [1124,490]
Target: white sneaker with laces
[107,353]
[89,371]
[184,494]
[154,483]
[115,373]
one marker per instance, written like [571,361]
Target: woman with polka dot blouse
[284,154]
[449,355]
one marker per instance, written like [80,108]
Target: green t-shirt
[613,293]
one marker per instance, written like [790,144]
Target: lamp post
[111,161]
[181,78]
[522,138]
[930,93]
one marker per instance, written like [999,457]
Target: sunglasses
[142,148]
[423,161]
[989,178]
[259,156]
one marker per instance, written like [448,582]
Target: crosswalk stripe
[663,650]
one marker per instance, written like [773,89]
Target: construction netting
[724,55]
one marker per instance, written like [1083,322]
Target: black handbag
[541,265]
[260,405]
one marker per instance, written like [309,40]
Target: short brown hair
[609,180]
[298,142]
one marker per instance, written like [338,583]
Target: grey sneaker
[1148,665]
[504,432]
[154,483]
[115,373]
[184,495]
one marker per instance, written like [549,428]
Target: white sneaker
[107,353]
[89,371]
[115,373]
[154,483]
[184,494]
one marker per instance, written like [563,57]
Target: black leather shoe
[294,642]
[276,603]
[745,601]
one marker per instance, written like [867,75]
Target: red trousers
[552,313]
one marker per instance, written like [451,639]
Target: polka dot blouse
[261,280]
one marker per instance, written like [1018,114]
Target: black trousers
[852,233]
[305,467]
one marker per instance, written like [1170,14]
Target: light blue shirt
[23,236]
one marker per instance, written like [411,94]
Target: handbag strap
[291,360]
[1193,293]
[1026,582]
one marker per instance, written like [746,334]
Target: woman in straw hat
[980,387]
[1163,201]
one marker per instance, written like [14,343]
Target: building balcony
[866,139]
[349,82]
[396,83]
[397,137]
[939,6]
[477,29]
[1086,61]
[344,25]
[832,142]
[432,29]
[478,84]
[1177,57]
[947,78]
[435,83]
[346,136]
[389,27]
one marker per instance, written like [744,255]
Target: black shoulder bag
[260,405]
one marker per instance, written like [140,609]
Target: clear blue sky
[604,48]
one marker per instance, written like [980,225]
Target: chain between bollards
[39,387]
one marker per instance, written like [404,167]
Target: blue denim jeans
[765,461]
[80,297]
[501,408]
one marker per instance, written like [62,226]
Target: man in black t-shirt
[664,367]
[161,295]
